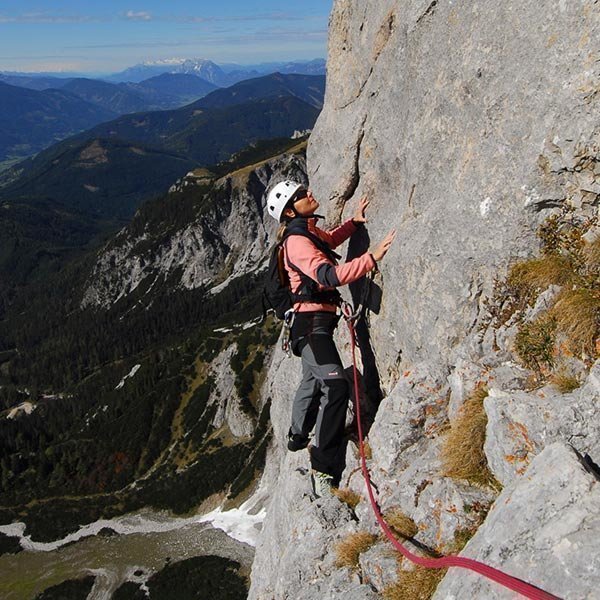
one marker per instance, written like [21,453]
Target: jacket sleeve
[339,235]
[302,254]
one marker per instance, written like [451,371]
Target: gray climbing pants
[321,400]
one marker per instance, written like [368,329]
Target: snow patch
[130,374]
[242,524]
[238,523]
[13,529]
[238,326]
[105,580]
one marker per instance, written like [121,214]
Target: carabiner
[288,321]
[348,311]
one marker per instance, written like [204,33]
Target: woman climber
[322,398]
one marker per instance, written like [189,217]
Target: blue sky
[108,36]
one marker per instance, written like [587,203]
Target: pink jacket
[302,253]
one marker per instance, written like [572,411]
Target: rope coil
[513,583]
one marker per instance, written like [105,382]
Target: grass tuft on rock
[577,316]
[570,260]
[534,343]
[352,546]
[527,279]
[400,523]
[592,256]
[418,584]
[348,496]
[564,381]
[462,452]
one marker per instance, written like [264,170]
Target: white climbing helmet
[279,197]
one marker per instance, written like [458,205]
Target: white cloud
[281,38]
[44,18]
[131,15]
[138,16]
[48,66]
[141,44]
[276,16]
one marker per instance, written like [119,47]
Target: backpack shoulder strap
[308,290]
[317,241]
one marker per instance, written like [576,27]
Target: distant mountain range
[161,92]
[308,88]
[220,75]
[35,81]
[226,120]
[109,169]
[37,111]
[31,120]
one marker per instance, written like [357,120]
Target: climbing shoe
[296,441]
[322,484]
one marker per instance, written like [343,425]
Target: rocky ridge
[467,126]
[227,227]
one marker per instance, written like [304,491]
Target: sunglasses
[300,195]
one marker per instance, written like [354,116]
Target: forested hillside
[117,408]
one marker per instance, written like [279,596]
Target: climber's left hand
[359,215]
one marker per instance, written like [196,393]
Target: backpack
[277,295]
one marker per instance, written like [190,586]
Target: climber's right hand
[382,249]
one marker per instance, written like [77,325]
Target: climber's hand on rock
[382,249]
[359,215]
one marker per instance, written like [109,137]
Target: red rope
[518,585]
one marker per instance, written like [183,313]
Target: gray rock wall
[543,529]
[464,124]
[467,125]
[521,424]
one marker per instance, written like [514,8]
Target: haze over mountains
[108,169]
[33,114]
[221,75]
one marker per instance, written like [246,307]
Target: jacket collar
[305,222]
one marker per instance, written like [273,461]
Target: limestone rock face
[521,424]
[299,542]
[466,125]
[379,565]
[226,398]
[446,507]
[543,528]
